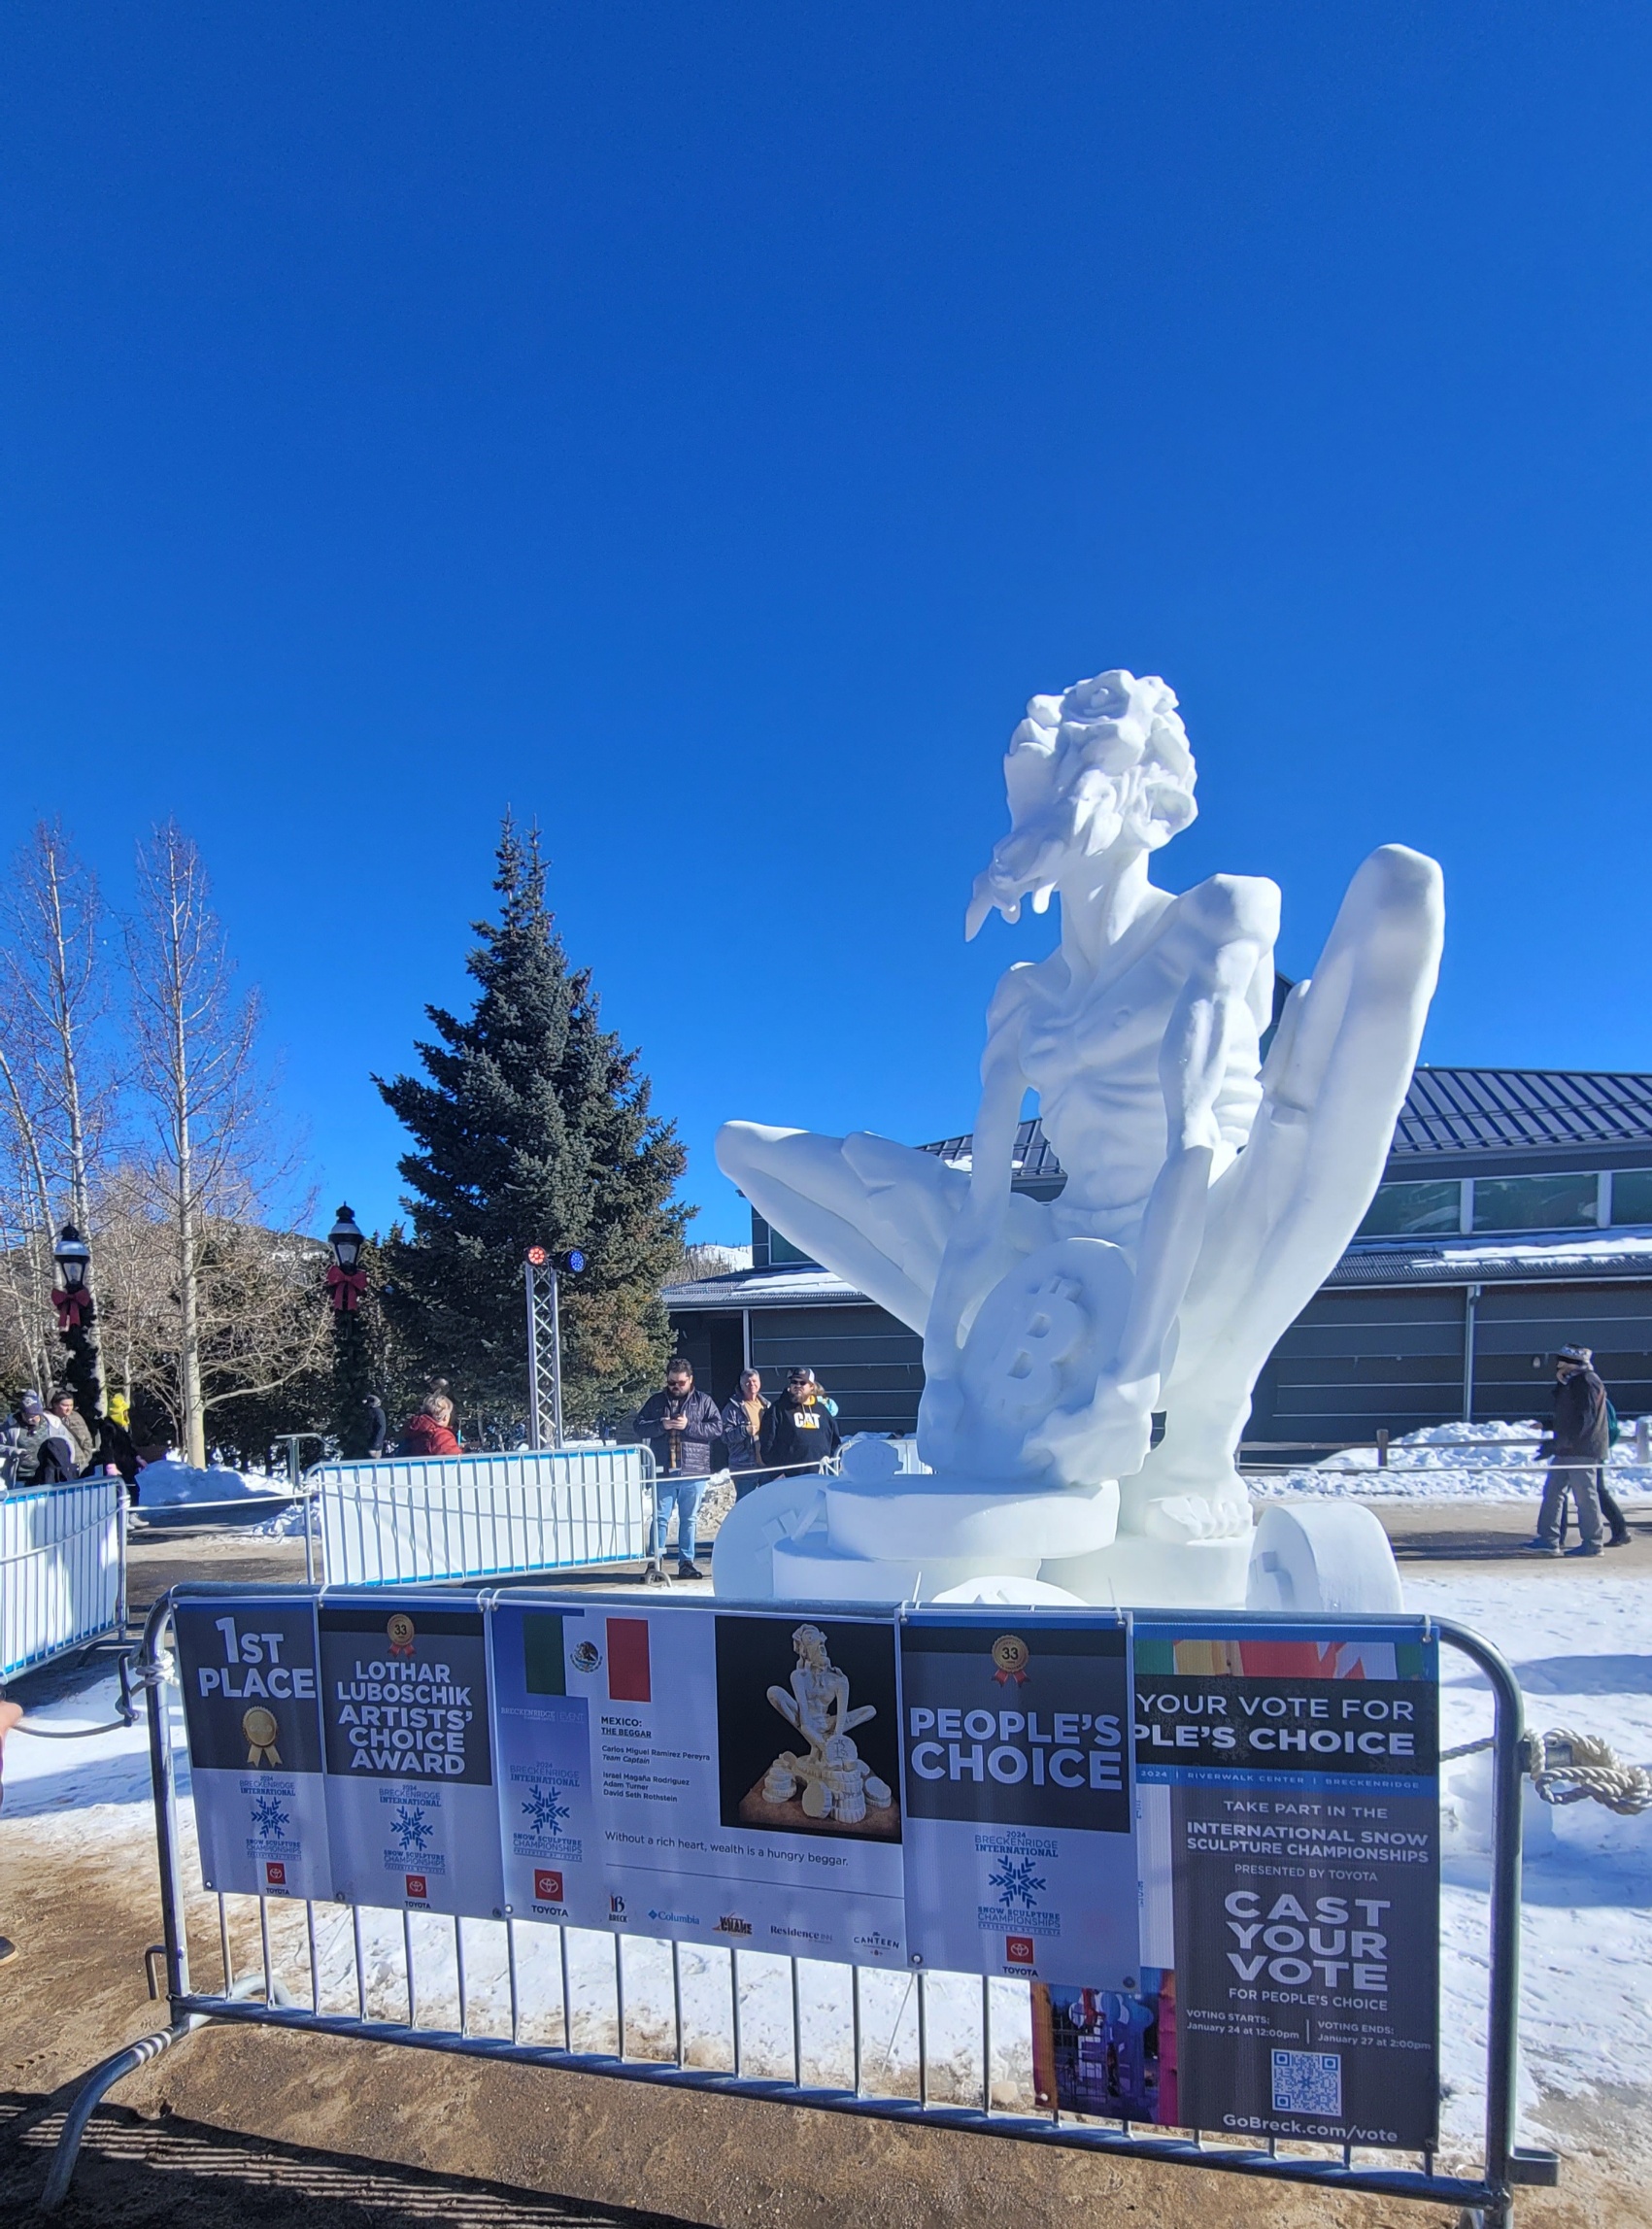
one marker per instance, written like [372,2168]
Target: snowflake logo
[1017,1883]
[411,1831]
[269,1817]
[545,1810]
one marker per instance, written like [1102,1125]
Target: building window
[1535,1202]
[1409,1210]
[780,1251]
[1632,1195]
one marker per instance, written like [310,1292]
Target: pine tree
[533,1128]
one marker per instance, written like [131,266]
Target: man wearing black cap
[799,1431]
[1576,1447]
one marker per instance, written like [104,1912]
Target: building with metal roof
[1514,1215]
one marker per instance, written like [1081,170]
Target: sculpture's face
[1105,763]
[810,1645]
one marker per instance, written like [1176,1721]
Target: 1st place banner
[252,1711]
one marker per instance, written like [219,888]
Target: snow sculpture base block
[1138,1573]
[937,1518]
[810,1570]
[1322,1556]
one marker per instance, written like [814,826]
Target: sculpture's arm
[1193,1068]
[969,1260]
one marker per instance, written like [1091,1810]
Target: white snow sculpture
[1205,1202]
[836,1782]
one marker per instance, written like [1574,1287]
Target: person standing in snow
[378,1424]
[681,1427]
[115,1448]
[743,1433]
[1576,1447]
[429,1430]
[78,1430]
[799,1433]
[39,1451]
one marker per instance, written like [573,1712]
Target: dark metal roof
[1475,1110]
[1557,1257]
[1453,1110]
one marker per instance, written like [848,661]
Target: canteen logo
[731,1924]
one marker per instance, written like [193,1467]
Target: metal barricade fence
[315,1970]
[62,1569]
[410,1520]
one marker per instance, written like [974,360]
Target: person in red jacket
[429,1431]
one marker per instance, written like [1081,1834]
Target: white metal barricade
[404,1518]
[62,1569]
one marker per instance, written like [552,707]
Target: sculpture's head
[811,1645]
[1107,763]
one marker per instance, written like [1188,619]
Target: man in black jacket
[681,1427]
[798,1431]
[1576,1447]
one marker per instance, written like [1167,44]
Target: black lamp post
[347,1289]
[76,1320]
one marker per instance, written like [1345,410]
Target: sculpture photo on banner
[1020,1805]
[252,1714]
[1207,1195]
[412,1814]
[744,1777]
[1289,1829]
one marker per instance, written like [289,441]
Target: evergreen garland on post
[534,1130]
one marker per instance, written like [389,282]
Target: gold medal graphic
[1010,1654]
[399,1634]
[260,1727]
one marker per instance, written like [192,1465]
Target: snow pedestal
[883,1535]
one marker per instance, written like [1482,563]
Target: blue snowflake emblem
[1017,1883]
[545,1810]
[411,1831]
[269,1817]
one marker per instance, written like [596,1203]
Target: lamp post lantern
[77,1319]
[347,1290]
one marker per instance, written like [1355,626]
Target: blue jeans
[680,1491]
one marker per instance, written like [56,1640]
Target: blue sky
[701,428]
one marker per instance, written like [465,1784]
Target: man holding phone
[680,1426]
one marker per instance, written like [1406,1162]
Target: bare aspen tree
[195,1037]
[56,1084]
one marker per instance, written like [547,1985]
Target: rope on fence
[1567,1767]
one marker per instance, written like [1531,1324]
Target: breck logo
[398,1632]
[616,1907]
[729,1924]
[1010,1654]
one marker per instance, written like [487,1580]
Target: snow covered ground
[1579,1639]
[1448,1463]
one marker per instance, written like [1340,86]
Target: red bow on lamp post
[346,1289]
[73,1307]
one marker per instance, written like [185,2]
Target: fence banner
[1019,1843]
[553,1852]
[745,1774]
[412,1814]
[1289,1826]
[252,1711]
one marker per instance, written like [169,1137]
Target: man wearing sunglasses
[799,1431]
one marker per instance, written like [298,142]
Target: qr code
[1309,2082]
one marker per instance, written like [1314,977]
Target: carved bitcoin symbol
[1033,1354]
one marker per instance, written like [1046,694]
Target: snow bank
[171,1485]
[1447,1462]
